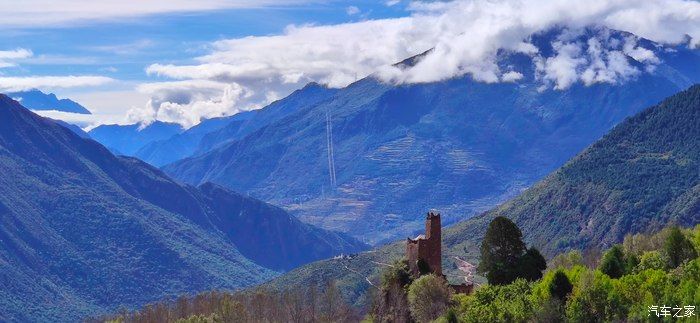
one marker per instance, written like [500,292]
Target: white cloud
[599,59]
[469,33]
[38,13]
[110,69]
[240,74]
[257,69]
[14,84]
[125,49]
[511,76]
[85,121]
[188,101]
[352,10]
[561,68]
[639,53]
[44,59]
[8,58]
[107,104]
[390,3]
[65,83]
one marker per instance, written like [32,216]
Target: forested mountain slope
[641,176]
[84,232]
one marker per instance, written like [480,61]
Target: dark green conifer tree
[678,248]
[532,263]
[613,263]
[560,287]
[501,251]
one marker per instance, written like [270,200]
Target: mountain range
[40,101]
[127,139]
[457,145]
[84,232]
[213,133]
[640,177]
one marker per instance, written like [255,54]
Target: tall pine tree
[501,251]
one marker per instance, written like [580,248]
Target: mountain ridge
[213,133]
[38,100]
[127,139]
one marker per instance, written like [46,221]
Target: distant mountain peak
[562,56]
[35,99]
[312,85]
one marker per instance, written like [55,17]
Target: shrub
[428,298]
[566,260]
[493,303]
[423,267]
[391,303]
[594,300]
[651,260]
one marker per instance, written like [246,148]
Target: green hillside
[644,174]
[84,232]
[641,176]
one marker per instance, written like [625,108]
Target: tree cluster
[313,304]
[504,256]
[660,269]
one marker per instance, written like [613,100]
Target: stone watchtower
[425,251]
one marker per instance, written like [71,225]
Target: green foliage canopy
[428,298]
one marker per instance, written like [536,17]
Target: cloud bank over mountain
[247,73]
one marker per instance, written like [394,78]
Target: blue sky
[183,60]
[122,48]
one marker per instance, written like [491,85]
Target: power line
[329,145]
